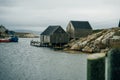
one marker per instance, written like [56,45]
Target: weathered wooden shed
[77,29]
[54,35]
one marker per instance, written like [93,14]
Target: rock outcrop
[97,42]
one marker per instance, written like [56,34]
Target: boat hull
[4,40]
[12,39]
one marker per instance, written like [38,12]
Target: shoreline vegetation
[100,41]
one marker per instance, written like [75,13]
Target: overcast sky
[39,14]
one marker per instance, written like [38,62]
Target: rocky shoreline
[4,32]
[100,42]
[26,35]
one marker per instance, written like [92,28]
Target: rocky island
[4,32]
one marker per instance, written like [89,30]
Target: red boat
[12,39]
[4,40]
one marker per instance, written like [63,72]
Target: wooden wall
[59,38]
[82,33]
[70,30]
[45,38]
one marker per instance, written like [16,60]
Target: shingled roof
[50,30]
[81,24]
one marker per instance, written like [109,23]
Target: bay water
[20,61]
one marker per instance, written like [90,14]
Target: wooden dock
[39,44]
[35,43]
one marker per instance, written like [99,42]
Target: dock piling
[114,64]
[96,66]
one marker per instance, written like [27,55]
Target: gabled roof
[81,24]
[50,30]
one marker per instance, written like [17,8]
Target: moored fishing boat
[11,39]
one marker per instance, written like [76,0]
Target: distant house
[2,29]
[77,29]
[54,35]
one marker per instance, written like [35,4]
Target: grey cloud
[42,13]
[7,3]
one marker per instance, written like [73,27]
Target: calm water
[20,61]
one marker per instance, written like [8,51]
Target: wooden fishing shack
[77,29]
[54,36]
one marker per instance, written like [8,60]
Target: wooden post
[119,24]
[96,66]
[113,64]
